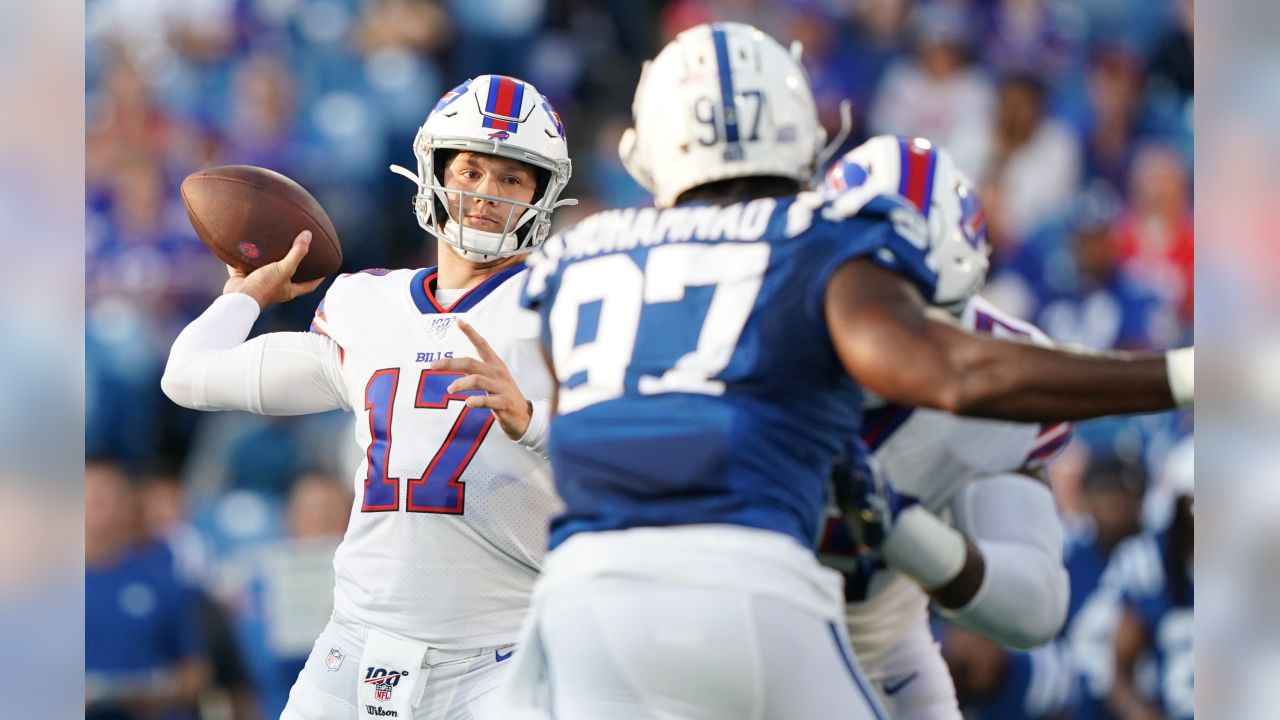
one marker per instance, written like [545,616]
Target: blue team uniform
[140,618]
[749,444]
[1089,624]
[1164,605]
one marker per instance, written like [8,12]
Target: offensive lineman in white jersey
[449,523]
[984,473]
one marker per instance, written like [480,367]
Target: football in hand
[248,216]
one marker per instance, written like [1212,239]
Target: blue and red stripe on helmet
[919,160]
[502,106]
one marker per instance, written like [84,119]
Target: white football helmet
[927,176]
[721,101]
[502,116]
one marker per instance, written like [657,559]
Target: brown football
[248,216]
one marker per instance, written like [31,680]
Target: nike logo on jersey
[499,657]
[891,687]
[433,356]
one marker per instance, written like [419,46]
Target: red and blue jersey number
[438,489]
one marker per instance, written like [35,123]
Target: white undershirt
[449,297]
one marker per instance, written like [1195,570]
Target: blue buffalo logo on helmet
[555,116]
[448,98]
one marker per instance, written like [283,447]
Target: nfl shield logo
[440,326]
[334,660]
[382,692]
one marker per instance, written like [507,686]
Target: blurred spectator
[1035,162]
[164,517]
[261,124]
[939,92]
[1104,307]
[123,122]
[1154,575]
[281,591]
[995,683]
[1115,88]
[145,275]
[1156,235]
[1172,68]
[1027,35]
[837,70]
[879,28]
[155,33]
[1111,502]
[419,26]
[494,36]
[143,649]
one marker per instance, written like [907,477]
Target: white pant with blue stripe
[692,623]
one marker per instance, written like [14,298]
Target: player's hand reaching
[490,374]
[271,284]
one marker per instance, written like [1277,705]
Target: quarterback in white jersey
[979,472]
[453,497]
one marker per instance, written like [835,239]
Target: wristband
[925,548]
[1181,367]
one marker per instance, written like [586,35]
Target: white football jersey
[930,455]
[450,518]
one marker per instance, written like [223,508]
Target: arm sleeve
[212,367]
[1024,595]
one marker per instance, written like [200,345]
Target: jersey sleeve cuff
[535,435]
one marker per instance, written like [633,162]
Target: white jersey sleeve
[212,367]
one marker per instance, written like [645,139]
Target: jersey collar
[422,290]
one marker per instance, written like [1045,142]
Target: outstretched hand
[490,374]
[272,283]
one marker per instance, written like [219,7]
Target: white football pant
[696,623]
[458,684]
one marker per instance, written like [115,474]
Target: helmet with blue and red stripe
[927,176]
[502,116]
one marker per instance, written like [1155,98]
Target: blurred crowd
[213,530]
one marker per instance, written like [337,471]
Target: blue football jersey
[1089,628]
[698,383]
[1164,604]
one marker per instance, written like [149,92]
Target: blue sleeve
[872,234]
[537,293]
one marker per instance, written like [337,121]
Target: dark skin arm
[886,338]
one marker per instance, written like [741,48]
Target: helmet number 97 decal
[707,111]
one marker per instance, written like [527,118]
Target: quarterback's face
[488,175]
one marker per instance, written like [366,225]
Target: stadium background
[1075,117]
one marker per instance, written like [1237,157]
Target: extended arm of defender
[886,339]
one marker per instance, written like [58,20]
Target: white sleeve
[1023,598]
[212,367]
